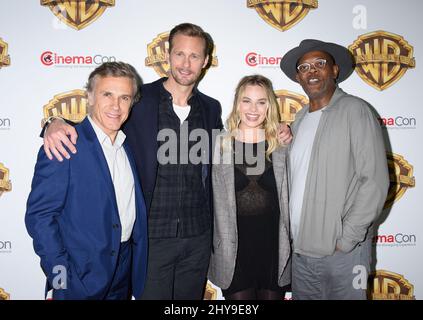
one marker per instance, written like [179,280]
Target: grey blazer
[225,233]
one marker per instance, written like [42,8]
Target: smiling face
[252,107]
[187,59]
[110,102]
[318,84]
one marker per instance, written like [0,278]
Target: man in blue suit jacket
[87,215]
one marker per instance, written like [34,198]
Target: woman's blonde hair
[272,119]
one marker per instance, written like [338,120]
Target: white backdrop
[31,31]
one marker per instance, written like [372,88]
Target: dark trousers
[121,284]
[177,268]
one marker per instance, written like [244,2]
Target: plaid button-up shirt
[179,205]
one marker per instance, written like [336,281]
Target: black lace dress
[258,223]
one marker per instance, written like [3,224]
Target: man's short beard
[193,82]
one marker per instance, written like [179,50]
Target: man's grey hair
[116,69]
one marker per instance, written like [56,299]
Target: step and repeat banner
[49,47]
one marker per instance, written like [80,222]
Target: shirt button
[113,253]
[115,226]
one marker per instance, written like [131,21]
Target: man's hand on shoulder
[284,134]
[57,135]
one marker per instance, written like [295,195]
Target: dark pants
[120,287]
[177,268]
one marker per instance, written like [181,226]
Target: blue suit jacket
[73,219]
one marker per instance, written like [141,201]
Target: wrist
[49,120]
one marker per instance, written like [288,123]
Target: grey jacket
[347,180]
[225,233]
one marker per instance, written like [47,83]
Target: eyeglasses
[318,64]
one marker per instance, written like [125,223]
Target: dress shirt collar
[104,139]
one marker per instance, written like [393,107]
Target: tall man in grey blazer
[338,176]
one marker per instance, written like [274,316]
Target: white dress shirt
[122,177]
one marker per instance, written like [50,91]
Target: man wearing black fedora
[338,176]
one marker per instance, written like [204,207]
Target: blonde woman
[251,248]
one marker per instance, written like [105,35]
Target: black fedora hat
[340,54]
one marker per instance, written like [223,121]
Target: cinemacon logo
[254,59]
[5,246]
[399,239]
[399,122]
[49,58]
[4,123]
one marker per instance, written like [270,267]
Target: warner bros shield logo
[400,178]
[78,13]
[382,58]
[210,293]
[282,14]
[5,184]
[4,57]
[289,104]
[387,285]
[4,295]
[71,105]
[156,55]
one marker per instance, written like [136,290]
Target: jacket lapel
[278,160]
[148,126]
[228,173]
[100,159]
